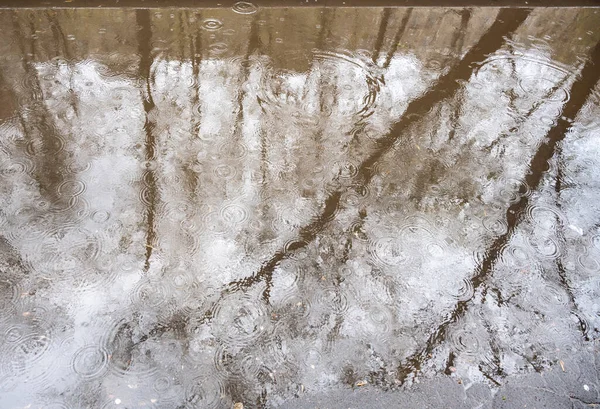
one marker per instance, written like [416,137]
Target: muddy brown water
[203,207]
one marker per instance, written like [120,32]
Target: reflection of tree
[63,49]
[535,107]
[253,47]
[318,70]
[149,176]
[455,47]
[329,254]
[196,52]
[385,18]
[506,22]
[560,268]
[42,136]
[538,165]
[398,37]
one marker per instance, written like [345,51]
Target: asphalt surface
[572,383]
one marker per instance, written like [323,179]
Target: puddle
[204,207]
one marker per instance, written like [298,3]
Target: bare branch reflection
[204,207]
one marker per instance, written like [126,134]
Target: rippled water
[202,207]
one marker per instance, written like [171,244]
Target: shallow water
[200,207]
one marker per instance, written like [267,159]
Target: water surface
[202,207]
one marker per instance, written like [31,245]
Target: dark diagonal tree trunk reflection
[507,21]
[385,18]
[538,165]
[398,37]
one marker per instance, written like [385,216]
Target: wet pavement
[299,207]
